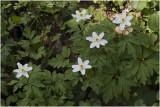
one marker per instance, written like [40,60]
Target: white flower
[81,66]
[22,70]
[81,15]
[123,20]
[96,40]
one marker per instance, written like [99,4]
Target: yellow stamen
[123,19]
[81,66]
[80,14]
[22,70]
[96,39]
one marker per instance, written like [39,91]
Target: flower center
[81,66]
[80,14]
[96,39]
[123,19]
[22,70]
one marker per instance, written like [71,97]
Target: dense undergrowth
[124,70]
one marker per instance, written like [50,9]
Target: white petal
[128,23]
[101,35]
[83,12]
[117,16]
[103,42]
[123,13]
[74,66]
[19,74]
[73,15]
[83,18]
[26,74]
[97,45]
[75,70]
[92,45]
[16,70]
[79,60]
[86,62]
[88,66]
[89,38]
[87,16]
[83,71]
[78,19]
[94,34]
[117,21]
[28,68]
[77,12]
[19,65]
[128,18]
[25,66]
[122,25]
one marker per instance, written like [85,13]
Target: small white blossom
[123,20]
[96,40]
[81,66]
[81,15]
[22,70]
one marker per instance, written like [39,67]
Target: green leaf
[100,16]
[148,95]
[121,47]
[84,103]
[41,52]
[108,95]
[27,32]
[59,61]
[138,5]
[140,102]
[133,69]
[21,83]
[131,50]
[95,102]
[24,43]
[91,10]
[50,10]
[56,37]
[65,51]
[69,103]
[10,42]
[107,23]
[28,90]
[36,91]
[4,87]
[24,102]
[16,19]
[10,99]
[23,54]
[142,74]
[147,52]
[115,86]
[157,96]
[73,25]
[98,60]
[13,82]
[96,84]
[154,21]
[38,83]
[36,39]
[36,101]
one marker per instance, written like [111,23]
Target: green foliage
[154,21]
[60,60]
[45,36]
[138,5]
